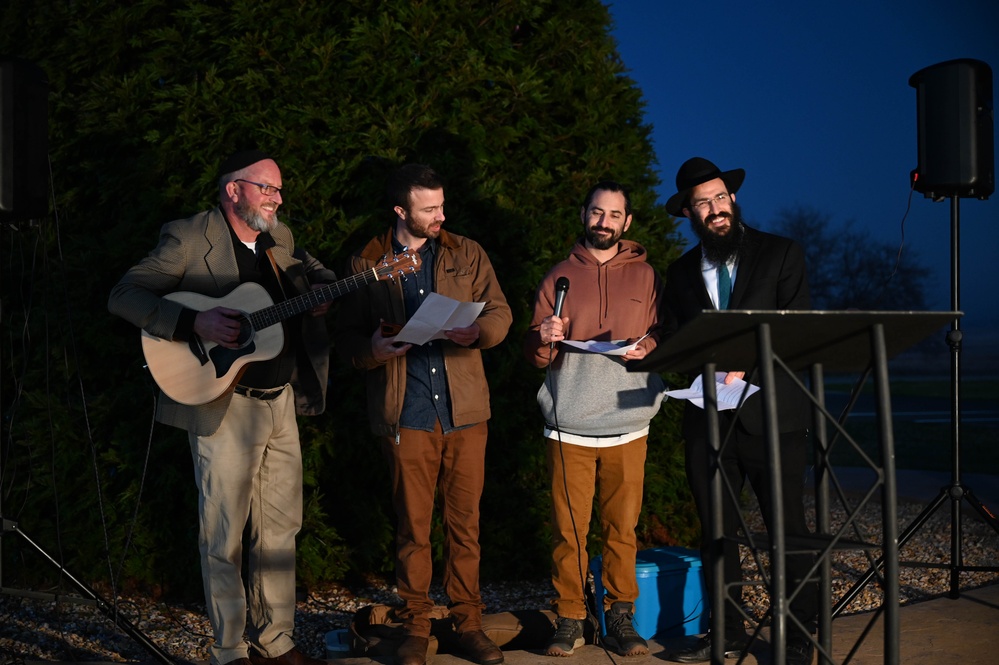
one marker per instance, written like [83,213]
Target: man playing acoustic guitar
[247,457]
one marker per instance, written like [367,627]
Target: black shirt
[256,267]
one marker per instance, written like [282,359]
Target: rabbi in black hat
[737,267]
[187,296]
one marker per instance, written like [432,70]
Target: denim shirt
[426,398]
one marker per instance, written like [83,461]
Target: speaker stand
[9,526]
[955,492]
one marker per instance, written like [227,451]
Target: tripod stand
[109,611]
[10,527]
[955,492]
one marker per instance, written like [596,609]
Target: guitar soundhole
[245,332]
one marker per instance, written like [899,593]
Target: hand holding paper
[464,335]
[728,395]
[437,314]
[617,348]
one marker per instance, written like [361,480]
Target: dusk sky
[814,101]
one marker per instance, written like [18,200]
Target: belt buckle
[255,393]
[270,394]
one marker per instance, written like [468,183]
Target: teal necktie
[724,286]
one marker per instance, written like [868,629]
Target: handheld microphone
[561,288]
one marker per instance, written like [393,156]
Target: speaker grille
[955,129]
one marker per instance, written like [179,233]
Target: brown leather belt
[255,393]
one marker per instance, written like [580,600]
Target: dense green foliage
[521,104]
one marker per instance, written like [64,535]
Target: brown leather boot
[412,651]
[479,648]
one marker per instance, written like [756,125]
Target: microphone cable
[901,243]
[590,617]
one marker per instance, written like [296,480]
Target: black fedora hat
[696,171]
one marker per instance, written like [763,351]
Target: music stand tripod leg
[987,515]
[102,605]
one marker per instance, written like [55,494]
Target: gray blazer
[196,254]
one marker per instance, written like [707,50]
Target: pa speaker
[24,179]
[954,116]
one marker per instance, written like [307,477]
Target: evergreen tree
[520,104]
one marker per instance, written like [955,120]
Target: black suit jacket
[770,276]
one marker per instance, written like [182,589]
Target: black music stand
[793,341]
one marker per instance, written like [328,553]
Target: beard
[254,219]
[720,248]
[418,231]
[601,241]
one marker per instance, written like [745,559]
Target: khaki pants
[452,466]
[250,470]
[575,473]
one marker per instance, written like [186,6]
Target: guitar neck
[286,309]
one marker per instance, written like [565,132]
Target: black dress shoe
[799,651]
[700,651]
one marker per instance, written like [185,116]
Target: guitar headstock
[406,262]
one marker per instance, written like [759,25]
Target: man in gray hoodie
[597,413]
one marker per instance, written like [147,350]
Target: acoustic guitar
[198,371]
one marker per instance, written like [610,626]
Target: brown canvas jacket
[463,272]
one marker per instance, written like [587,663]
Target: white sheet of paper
[728,395]
[614,348]
[437,314]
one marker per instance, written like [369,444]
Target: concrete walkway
[944,631]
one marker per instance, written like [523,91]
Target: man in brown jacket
[429,403]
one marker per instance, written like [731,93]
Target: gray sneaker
[568,637]
[621,635]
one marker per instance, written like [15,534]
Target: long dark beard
[719,249]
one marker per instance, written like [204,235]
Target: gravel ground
[41,630]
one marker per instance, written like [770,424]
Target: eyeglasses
[266,190]
[705,204]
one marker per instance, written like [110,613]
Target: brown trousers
[452,466]
[575,473]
